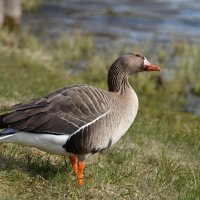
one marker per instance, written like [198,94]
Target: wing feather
[65,111]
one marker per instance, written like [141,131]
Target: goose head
[126,65]
[135,62]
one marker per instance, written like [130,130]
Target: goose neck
[117,80]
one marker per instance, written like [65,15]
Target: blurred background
[47,44]
[124,21]
[117,26]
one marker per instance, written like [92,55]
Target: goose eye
[137,55]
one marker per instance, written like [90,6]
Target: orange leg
[72,160]
[81,166]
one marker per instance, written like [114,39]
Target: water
[119,20]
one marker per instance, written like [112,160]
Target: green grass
[29,5]
[158,158]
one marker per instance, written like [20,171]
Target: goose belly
[45,142]
[120,131]
[125,117]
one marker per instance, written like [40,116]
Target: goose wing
[65,111]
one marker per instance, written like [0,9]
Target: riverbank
[159,156]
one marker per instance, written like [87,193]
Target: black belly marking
[95,150]
[109,143]
[80,143]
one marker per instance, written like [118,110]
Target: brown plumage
[78,120]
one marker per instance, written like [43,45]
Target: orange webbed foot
[81,166]
[78,169]
[73,162]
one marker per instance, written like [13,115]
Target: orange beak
[150,67]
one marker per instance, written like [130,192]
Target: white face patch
[150,67]
[146,62]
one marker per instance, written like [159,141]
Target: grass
[158,158]
[30,5]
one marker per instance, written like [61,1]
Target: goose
[78,120]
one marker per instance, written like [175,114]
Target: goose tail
[7,132]
[2,124]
